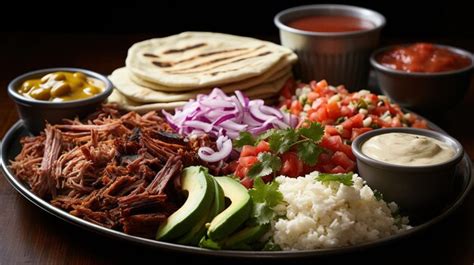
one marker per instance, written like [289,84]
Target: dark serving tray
[11,146]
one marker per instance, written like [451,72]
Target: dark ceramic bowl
[418,190]
[429,93]
[35,113]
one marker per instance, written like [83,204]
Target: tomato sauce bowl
[420,79]
[333,42]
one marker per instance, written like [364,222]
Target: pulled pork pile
[118,171]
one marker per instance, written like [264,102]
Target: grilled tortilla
[124,83]
[203,59]
[282,68]
[267,91]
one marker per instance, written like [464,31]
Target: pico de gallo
[343,115]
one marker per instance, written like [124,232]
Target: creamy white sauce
[407,149]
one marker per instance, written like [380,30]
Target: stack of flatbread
[165,73]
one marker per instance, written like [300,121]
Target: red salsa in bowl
[330,23]
[423,58]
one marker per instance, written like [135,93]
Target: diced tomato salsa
[345,116]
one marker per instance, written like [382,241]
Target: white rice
[324,215]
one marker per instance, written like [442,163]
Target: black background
[406,19]
[96,35]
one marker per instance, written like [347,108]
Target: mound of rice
[324,215]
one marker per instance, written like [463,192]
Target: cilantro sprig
[304,140]
[267,164]
[264,198]
[345,179]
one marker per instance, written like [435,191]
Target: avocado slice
[219,200]
[233,216]
[242,238]
[193,237]
[200,190]
[199,230]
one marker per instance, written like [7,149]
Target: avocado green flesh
[200,190]
[233,216]
[219,200]
[199,230]
[245,236]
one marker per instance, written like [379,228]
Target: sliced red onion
[231,125]
[220,115]
[220,141]
[271,111]
[224,147]
[217,103]
[217,93]
[207,127]
[244,101]
[256,112]
[223,118]
[206,150]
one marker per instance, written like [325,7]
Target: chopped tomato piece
[346,149]
[333,110]
[263,146]
[358,131]
[296,107]
[247,182]
[331,130]
[331,142]
[337,170]
[345,111]
[312,96]
[420,124]
[346,133]
[347,124]
[248,150]
[324,158]
[247,161]
[341,159]
[396,122]
[241,171]
[292,166]
[357,120]
[321,115]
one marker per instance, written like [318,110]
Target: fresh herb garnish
[267,164]
[309,152]
[245,138]
[265,135]
[314,132]
[281,140]
[264,198]
[345,179]
[304,140]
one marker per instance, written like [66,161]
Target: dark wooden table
[30,236]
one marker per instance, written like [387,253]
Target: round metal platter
[11,146]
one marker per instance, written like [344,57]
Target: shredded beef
[118,171]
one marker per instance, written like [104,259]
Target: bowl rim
[451,141]
[383,68]
[20,99]
[282,26]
